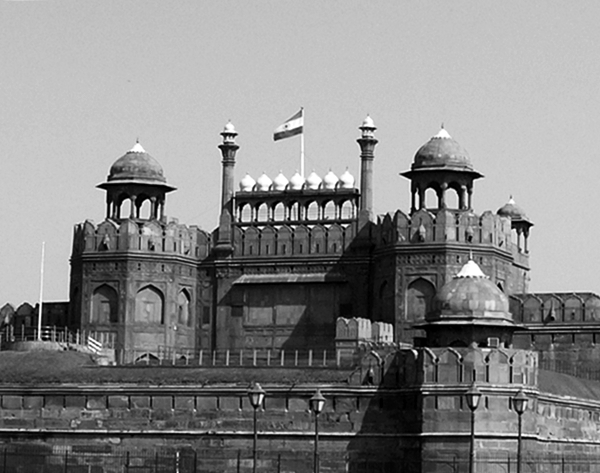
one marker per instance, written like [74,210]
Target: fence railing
[100,459]
[176,356]
[569,367]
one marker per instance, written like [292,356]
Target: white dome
[330,180]
[368,122]
[137,148]
[263,183]
[247,183]
[347,180]
[313,181]
[280,182]
[229,128]
[296,182]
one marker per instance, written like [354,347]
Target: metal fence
[101,459]
[164,355]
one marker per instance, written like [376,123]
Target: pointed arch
[105,305]
[573,309]
[419,300]
[184,316]
[149,306]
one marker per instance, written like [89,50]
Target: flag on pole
[293,126]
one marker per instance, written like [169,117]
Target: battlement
[552,309]
[467,365]
[285,240]
[144,236]
[445,226]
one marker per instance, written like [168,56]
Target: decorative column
[224,246]
[367,143]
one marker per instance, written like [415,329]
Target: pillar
[367,143]
[228,150]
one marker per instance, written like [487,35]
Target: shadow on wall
[389,436]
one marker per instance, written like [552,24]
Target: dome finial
[137,147]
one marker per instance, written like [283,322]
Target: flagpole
[39,321]
[302,146]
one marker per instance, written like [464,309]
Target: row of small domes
[297,182]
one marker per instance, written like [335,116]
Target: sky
[516,83]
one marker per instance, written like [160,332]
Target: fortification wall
[292,241]
[148,236]
[444,226]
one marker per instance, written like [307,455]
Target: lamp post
[473,396]
[316,403]
[520,404]
[256,394]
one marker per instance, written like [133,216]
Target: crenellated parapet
[147,236]
[285,240]
[444,226]
[449,366]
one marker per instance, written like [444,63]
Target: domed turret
[313,181]
[512,211]
[443,165]
[347,180]
[136,165]
[280,182]
[469,309]
[136,176]
[263,183]
[296,182]
[247,183]
[442,151]
[330,180]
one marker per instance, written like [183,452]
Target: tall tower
[418,253]
[134,275]
[228,147]
[367,142]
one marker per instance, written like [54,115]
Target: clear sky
[516,83]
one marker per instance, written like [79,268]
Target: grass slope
[49,367]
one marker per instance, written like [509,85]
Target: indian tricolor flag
[293,126]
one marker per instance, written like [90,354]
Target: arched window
[262,214]
[347,210]
[312,212]
[184,317]
[105,305]
[149,306]
[245,213]
[330,211]
[431,199]
[279,212]
[419,298]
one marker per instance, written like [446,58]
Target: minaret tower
[224,246]
[367,143]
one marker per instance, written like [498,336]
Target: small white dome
[229,128]
[330,180]
[137,148]
[263,183]
[313,181]
[347,180]
[247,183]
[296,182]
[471,270]
[443,134]
[368,122]
[280,182]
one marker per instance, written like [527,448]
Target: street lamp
[317,403]
[520,404]
[473,396]
[257,396]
